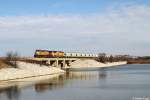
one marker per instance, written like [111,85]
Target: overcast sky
[111,26]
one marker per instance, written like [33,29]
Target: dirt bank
[3,64]
[26,70]
[93,63]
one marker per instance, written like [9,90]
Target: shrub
[11,59]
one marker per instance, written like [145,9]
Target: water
[129,82]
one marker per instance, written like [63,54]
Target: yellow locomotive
[48,54]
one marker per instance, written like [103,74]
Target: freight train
[60,54]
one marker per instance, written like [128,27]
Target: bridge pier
[64,63]
[56,62]
[61,63]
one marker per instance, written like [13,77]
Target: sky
[90,26]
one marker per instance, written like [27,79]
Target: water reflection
[102,73]
[61,81]
[103,84]
[12,93]
[53,83]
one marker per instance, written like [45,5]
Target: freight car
[48,54]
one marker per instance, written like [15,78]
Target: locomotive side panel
[41,53]
[48,54]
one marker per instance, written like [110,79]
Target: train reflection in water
[60,81]
[13,90]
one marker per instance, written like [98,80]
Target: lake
[128,82]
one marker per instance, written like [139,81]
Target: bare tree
[111,58]
[102,57]
[11,59]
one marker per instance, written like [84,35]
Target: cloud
[115,31]
[56,5]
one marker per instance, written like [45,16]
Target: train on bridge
[60,54]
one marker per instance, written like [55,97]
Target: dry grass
[3,64]
[139,61]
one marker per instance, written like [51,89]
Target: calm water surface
[118,83]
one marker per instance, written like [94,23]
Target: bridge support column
[70,61]
[48,62]
[64,63]
[56,63]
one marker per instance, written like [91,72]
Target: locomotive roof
[49,50]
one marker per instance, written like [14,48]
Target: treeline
[104,58]
[140,60]
[144,58]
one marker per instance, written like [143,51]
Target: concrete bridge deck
[47,59]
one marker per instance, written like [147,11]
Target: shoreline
[23,82]
[95,64]
[140,61]
[28,70]
[94,68]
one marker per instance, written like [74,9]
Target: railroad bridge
[59,58]
[59,62]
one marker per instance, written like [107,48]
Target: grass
[9,61]
[3,64]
